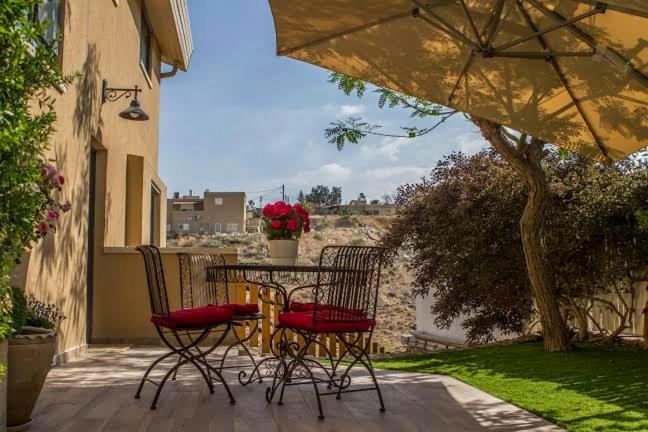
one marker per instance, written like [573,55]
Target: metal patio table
[278,285]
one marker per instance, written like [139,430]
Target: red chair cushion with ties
[200,317]
[241,309]
[306,321]
[309,307]
[306,307]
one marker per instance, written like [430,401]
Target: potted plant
[31,347]
[31,351]
[284,225]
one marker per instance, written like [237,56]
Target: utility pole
[261,202]
[283,192]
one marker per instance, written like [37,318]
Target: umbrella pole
[525,157]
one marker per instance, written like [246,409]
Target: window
[50,11]
[155,216]
[232,228]
[183,227]
[217,228]
[145,43]
[218,201]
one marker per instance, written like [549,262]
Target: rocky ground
[396,313]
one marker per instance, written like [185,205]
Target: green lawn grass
[593,388]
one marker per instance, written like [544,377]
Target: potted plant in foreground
[284,225]
[31,350]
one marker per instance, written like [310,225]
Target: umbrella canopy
[570,72]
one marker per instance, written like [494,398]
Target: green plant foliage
[19,309]
[354,129]
[461,224]
[28,71]
[45,315]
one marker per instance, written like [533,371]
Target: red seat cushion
[309,307]
[306,307]
[200,317]
[242,309]
[306,321]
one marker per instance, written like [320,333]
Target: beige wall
[121,303]
[100,41]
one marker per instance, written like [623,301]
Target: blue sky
[243,119]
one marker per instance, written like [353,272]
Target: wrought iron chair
[196,290]
[182,331]
[345,301]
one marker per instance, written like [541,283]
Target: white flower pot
[283,252]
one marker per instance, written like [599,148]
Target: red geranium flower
[292,224]
[276,224]
[268,211]
[306,227]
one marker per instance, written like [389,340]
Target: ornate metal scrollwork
[115,93]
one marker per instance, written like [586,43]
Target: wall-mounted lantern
[134,111]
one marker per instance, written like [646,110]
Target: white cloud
[407,172]
[334,171]
[327,174]
[349,110]
[471,143]
[343,111]
[388,148]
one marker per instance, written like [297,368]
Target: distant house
[214,213]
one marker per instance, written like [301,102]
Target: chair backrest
[350,288]
[155,279]
[195,289]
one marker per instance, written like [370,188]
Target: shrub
[28,67]
[45,315]
[19,309]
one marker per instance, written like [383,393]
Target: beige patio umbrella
[569,72]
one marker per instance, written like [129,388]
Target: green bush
[19,309]
[28,66]
[45,315]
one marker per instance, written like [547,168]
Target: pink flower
[42,228]
[276,224]
[51,214]
[66,207]
[61,180]
[292,224]
[48,171]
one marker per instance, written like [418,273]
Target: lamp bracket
[115,93]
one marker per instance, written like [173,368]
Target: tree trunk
[580,315]
[526,160]
[645,326]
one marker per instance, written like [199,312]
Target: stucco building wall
[101,40]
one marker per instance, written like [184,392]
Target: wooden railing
[261,340]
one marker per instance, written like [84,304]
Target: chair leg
[241,342]
[185,353]
[148,371]
[185,356]
[360,355]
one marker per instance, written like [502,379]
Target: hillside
[396,314]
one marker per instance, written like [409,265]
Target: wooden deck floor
[96,394]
